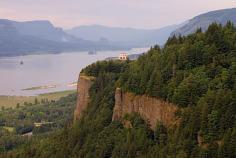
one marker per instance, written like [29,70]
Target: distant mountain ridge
[204,20]
[43,29]
[13,43]
[21,38]
[130,36]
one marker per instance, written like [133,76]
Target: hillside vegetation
[197,73]
[39,119]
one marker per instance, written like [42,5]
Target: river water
[57,71]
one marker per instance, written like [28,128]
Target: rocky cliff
[84,84]
[150,109]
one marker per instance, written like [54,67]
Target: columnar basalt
[150,109]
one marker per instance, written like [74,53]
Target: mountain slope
[43,30]
[204,20]
[138,37]
[20,38]
[13,43]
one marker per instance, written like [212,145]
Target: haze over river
[59,70]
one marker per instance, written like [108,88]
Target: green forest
[197,73]
[50,116]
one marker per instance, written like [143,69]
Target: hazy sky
[125,13]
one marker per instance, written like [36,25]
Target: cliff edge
[84,84]
[150,109]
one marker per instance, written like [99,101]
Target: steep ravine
[150,109]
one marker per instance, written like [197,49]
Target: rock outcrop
[150,109]
[84,84]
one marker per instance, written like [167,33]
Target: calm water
[44,70]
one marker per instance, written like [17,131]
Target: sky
[145,14]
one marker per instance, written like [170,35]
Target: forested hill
[187,68]
[197,73]
[204,20]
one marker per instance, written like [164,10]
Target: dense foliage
[50,115]
[197,73]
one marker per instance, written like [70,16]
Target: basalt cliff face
[150,109]
[84,84]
